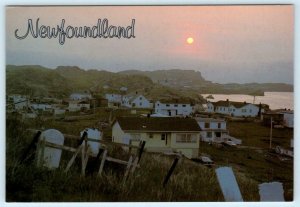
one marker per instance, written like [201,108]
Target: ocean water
[275,100]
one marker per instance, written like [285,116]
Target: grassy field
[256,135]
[190,181]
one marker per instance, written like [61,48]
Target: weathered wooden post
[102,163]
[171,170]
[32,145]
[141,150]
[80,147]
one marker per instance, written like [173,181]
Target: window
[219,125]
[250,110]
[167,105]
[141,98]
[141,104]
[206,125]
[183,105]
[135,137]
[244,110]
[218,134]
[233,109]
[209,134]
[186,138]
[163,136]
[175,105]
[151,135]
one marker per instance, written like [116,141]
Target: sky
[238,44]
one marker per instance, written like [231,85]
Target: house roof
[235,104]
[200,119]
[162,124]
[169,102]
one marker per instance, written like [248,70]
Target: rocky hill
[175,84]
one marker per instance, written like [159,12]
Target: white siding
[288,119]
[117,133]
[79,96]
[249,110]
[140,102]
[170,109]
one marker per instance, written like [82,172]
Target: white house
[173,109]
[160,133]
[80,96]
[138,101]
[58,111]
[113,100]
[19,101]
[41,106]
[76,105]
[288,118]
[237,109]
[215,130]
[124,89]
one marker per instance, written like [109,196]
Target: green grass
[190,181]
[256,135]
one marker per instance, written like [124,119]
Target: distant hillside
[36,81]
[62,81]
[194,81]
[173,77]
[173,85]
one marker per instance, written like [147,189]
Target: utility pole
[94,103]
[271,131]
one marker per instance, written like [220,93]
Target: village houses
[135,101]
[78,105]
[236,109]
[284,118]
[173,109]
[19,101]
[41,106]
[288,118]
[80,96]
[138,101]
[160,133]
[215,130]
[113,100]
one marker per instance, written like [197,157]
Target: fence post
[31,145]
[41,152]
[170,171]
[141,150]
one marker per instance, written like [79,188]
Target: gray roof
[162,124]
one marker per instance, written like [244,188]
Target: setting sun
[190,40]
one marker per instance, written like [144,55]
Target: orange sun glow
[190,40]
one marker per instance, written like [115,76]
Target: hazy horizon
[99,69]
[232,44]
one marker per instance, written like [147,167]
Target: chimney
[136,92]
[227,100]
